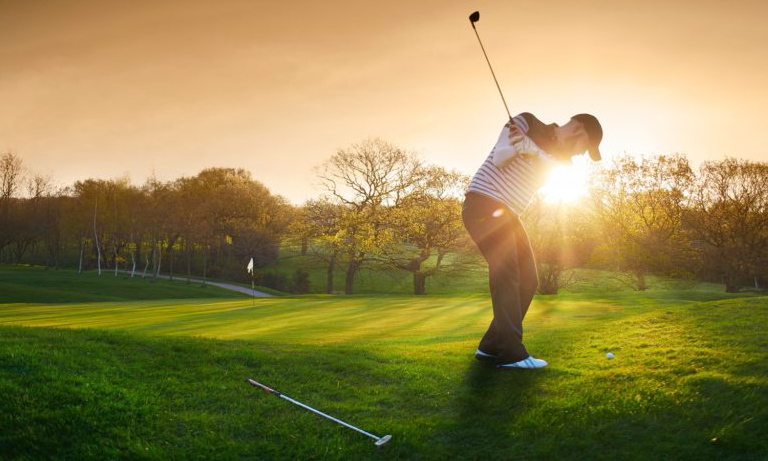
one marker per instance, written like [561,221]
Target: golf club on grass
[379,440]
[473,18]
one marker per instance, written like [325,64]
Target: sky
[108,89]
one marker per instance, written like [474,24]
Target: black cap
[594,131]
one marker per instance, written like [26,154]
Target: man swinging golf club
[497,195]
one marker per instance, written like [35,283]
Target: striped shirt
[515,182]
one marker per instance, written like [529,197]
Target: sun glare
[567,183]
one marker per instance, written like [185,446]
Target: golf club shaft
[492,72]
[319,413]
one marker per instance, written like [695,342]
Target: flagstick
[253,278]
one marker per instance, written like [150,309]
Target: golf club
[473,18]
[379,440]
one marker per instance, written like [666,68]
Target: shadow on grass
[487,402]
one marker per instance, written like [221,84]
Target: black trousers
[512,274]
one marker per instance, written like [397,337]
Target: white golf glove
[507,147]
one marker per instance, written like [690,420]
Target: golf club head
[474,17]
[383,440]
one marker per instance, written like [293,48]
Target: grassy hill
[691,366]
[36,284]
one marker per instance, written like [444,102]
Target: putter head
[474,17]
[383,440]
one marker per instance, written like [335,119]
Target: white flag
[250,267]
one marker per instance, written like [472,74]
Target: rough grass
[36,284]
[691,366]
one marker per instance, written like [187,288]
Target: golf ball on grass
[609,355]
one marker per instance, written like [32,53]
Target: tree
[27,215]
[366,178]
[51,227]
[321,226]
[79,216]
[550,241]
[157,225]
[11,170]
[300,229]
[11,175]
[427,226]
[729,216]
[640,204]
[228,217]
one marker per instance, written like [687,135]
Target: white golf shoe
[483,357]
[527,363]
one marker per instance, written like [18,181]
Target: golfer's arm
[504,151]
[503,154]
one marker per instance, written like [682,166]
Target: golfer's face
[574,139]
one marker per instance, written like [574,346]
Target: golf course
[158,370]
[383,231]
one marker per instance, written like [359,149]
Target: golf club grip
[264,388]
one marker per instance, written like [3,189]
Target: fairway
[336,319]
[125,378]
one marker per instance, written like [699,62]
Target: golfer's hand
[516,135]
[517,140]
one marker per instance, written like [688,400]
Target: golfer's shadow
[487,403]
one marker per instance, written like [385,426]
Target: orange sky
[102,89]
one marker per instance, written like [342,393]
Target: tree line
[204,225]
[658,215]
[383,207]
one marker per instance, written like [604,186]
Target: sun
[567,183]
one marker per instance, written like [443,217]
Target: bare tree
[11,171]
[366,178]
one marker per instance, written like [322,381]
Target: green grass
[36,284]
[126,380]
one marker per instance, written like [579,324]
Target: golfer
[498,194]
